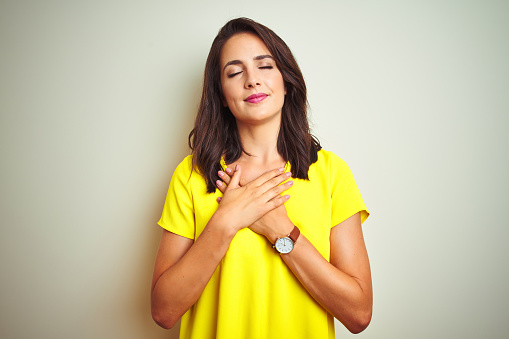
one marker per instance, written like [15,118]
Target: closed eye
[261,67]
[233,74]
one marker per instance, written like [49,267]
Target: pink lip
[256,98]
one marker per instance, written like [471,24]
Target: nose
[252,80]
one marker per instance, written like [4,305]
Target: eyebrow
[237,62]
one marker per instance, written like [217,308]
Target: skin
[247,61]
[252,191]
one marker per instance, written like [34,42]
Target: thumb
[235,180]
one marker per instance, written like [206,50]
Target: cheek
[228,93]
[228,99]
[279,83]
[282,87]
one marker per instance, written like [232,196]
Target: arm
[183,267]
[343,286]
[182,270]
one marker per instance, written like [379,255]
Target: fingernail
[219,199]
[288,174]
[237,167]
[281,169]
[290,182]
[228,170]
[287,196]
[219,183]
[221,173]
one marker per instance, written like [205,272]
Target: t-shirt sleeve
[346,197]
[178,210]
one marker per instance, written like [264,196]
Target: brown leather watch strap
[294,234]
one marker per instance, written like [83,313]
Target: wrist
[223,224]
[286,244]
[282,231]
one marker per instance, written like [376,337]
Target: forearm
[180,286]
[347,298]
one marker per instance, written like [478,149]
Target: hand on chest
[251,171]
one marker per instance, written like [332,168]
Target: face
[253,86]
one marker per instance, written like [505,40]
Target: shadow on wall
[148,245]
[180,119]
[150,328]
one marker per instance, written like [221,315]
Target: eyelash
[263,67]
[233,74]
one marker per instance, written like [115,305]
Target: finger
[221,186]
[276,191]
[225,176]
[267,176]
[228,177]
[274,182]
[234,182]
[276,202]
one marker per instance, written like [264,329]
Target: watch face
[284,245]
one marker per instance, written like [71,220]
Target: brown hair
[215,130]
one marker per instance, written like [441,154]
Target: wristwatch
[285,245]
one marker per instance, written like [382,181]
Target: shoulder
[183,171]
[330,167]
[185,165]
[190,176]
[328,160]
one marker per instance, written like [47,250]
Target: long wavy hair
[215,130]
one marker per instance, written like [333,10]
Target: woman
[229,203]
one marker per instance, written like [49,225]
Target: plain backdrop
[97,99]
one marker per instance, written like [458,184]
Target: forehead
[243,47]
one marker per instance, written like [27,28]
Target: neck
[260,142]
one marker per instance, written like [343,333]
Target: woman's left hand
[273,224]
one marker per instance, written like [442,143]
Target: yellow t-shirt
[252,293]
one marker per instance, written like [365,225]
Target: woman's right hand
[243,205]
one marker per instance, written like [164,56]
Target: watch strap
[294,234]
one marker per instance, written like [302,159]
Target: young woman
[239,257]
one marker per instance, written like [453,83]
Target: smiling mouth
[256,98]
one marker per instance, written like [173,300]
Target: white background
[97,99]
